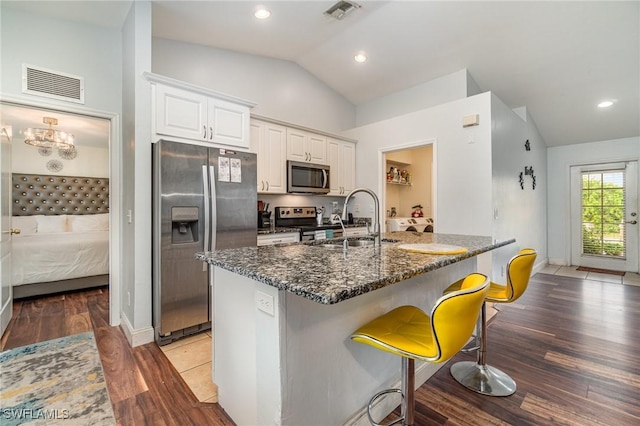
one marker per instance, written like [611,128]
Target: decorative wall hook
[528,171]
[527,146]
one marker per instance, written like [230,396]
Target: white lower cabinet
[269,142]
[279,238]
[357,232]
[342,161]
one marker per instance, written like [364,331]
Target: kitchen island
[282,317]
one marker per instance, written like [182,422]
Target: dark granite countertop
[328,275]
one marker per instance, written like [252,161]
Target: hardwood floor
[143,386]
[572,346]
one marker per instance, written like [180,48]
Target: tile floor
[629,278]
[191,357]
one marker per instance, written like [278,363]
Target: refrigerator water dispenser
[184,225]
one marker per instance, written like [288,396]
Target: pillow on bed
[89,222]
[26,224]
[51,224]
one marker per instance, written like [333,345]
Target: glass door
[604,221]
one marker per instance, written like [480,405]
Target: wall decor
[527,146]
[68,154]
[528,171]
[44,151]
[54,165]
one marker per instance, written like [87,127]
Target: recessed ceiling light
[262,13]
[360,57]
[605,104]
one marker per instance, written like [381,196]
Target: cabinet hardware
[205,132]
[267,185]
[632,222]
[210,133]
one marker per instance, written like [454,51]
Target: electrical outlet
[128,299]
[502,271]
[356,208]
[264,302]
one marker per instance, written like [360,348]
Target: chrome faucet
[377,238]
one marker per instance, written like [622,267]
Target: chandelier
[49,138]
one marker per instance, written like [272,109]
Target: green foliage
[603,213]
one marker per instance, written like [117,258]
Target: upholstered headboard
[51,195]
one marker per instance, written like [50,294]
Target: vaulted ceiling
[559,59]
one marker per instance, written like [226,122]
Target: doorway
[604,216]
[15,111]
[409,182]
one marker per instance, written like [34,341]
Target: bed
[64,233]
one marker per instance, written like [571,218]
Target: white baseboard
[384,406]
[557,262]
[136,337]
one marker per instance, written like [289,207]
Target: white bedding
[48,257]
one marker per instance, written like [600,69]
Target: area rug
[600,271]
[57,382]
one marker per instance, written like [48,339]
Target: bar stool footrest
[483,379]
[379,395]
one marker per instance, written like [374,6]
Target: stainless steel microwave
[307,178]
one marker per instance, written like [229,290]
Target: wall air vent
[52,84]
[341,9]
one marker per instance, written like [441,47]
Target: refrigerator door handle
[214,213]
[205,186]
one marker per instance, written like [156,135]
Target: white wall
[136,176]
[88,51]
[462,169]
[559,161]
[435,92]
[281,89]
[90,162]
[518,213]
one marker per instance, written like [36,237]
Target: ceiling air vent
[52,84]
[341,9]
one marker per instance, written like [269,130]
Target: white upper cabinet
[306,147]
[342,160]
[188,112]
[268,141]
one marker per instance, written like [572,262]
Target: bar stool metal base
[483,379]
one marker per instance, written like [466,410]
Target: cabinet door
[274,148]
[335,173]
[317,148]
[348,167]
[268,141]
[297,145]
[181,113]
[228,123]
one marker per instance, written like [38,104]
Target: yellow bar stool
[478,376]
[412,334]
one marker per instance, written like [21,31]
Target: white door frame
[6,307]
[115,216]
[633,233]
[382,181]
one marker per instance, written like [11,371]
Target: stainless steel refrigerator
[203,199]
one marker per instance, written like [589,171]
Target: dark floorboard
[572,346]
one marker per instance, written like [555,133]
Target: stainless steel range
[304,218]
